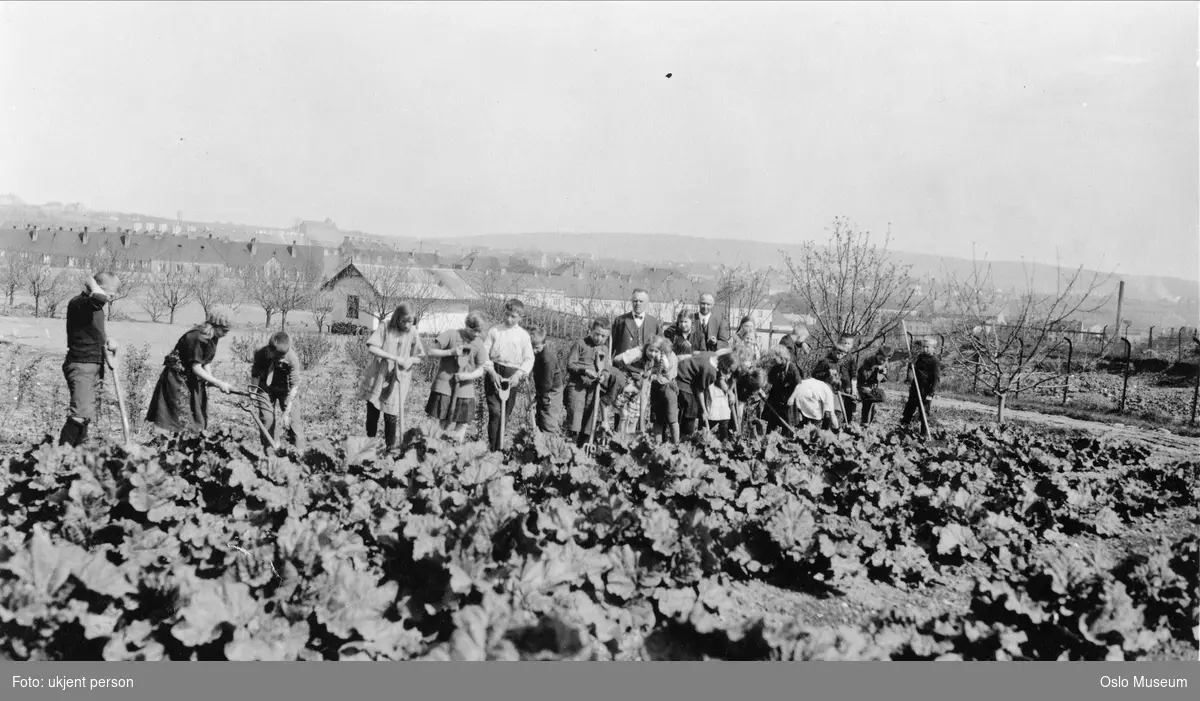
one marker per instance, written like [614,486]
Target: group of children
[663,387]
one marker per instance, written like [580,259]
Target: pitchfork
[257,400]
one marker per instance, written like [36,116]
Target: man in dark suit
[634,328]
[709,330]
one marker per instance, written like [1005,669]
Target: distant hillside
[669,248]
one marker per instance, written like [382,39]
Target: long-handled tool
[504,391]
[108,358]
[257,400]
[643,402]
[601,365]
[912,369]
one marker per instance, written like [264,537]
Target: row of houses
[359,275]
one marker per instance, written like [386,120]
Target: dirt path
[1169,443]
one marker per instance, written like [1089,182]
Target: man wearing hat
[87,343]
[871,375]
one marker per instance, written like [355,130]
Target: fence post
[1150,343]
[1070,352]
[1179,348]
[1196,388]
[1125,383]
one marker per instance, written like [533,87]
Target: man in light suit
[709,330]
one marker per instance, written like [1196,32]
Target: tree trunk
[283,320]
[171,317]
[1000,398]
[36,306]
[270,314]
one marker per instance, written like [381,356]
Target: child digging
[276,371]
[452,397]
[585,356]
[395,348]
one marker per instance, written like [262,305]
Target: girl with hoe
[452,397]
[180,399]
[395,348]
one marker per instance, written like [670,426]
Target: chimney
[85,236]
[254,246]
[292,249]
[33,234]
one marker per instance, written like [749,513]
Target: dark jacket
[85,330]
[872,372]
[838,374]
[626,335]
[717,329]
[929,373]
[547,373]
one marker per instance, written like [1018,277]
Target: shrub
[313,349]
[345,328]
[244,346]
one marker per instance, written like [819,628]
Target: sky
[1028,131]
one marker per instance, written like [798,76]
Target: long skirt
[179,402]
[459,411]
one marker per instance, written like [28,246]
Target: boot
[390,429]
[74,431]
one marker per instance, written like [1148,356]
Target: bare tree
[1009,357]
[294,287]
[47,286]
[168,291]
[212,288]
[392,284]
[321,305]
[743,289]
[14,270]
[257,286]
[852,286]
[589,298]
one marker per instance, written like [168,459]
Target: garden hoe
[108,357]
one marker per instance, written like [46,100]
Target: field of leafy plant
[204,548]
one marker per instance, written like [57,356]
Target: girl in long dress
[180,399]
[395,348]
